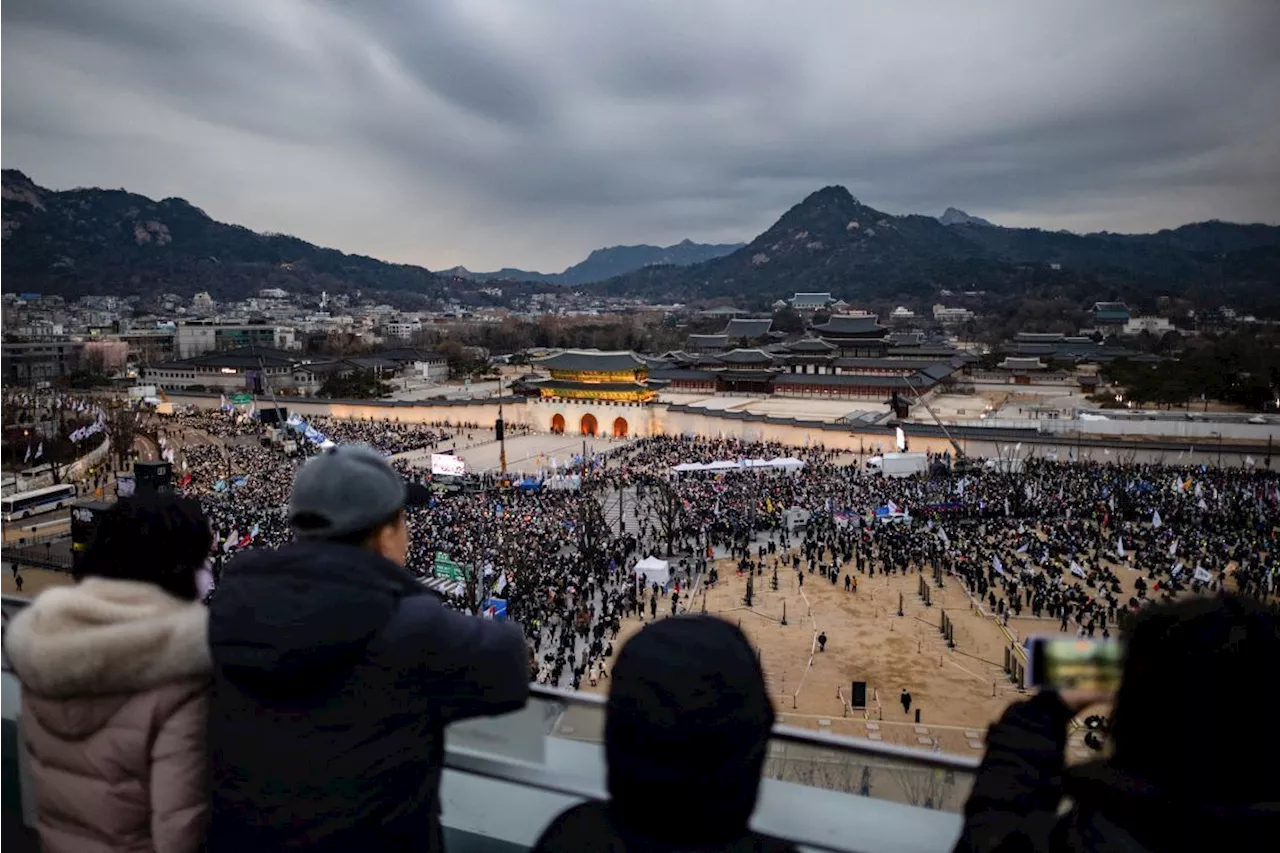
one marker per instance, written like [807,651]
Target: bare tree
[593,532]
[662,500]
[122,429]
[922,786]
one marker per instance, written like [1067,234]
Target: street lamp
[1219,436]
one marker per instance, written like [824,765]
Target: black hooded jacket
[686,733]
[1014,804]
[334,676]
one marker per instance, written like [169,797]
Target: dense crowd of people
[1054,540]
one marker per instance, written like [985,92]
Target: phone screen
[1066,662]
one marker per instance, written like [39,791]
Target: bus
[18,506]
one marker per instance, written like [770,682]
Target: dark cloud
[495,132]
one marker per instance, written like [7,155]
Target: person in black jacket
[335,673]
[1177,780]
[686,730]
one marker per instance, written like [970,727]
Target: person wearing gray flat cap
[335,673]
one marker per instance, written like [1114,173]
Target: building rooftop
[746,356]
[810,345]
[850,324]
[592,361]
[745,328]
[1014,363]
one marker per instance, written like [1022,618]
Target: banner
[447,465]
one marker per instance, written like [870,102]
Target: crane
[961,460]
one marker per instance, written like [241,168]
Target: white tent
[688,466]
[790,463]
[722,465]
[654,571]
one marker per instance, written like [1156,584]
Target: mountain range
[112,242]
[96,241]
[832,242]
[603,264]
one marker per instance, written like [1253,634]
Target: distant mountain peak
[955,216]
[611,261]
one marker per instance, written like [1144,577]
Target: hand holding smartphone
[1063,663]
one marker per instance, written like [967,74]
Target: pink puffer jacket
[115,680]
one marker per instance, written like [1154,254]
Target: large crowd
[1052,540]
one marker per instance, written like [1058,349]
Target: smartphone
[1063,663]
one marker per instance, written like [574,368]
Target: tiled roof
[810,345]
[741,328]
[591,360]
[746,356]
[850,324]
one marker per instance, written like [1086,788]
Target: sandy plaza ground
[958,692]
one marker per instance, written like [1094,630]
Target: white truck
[899,464]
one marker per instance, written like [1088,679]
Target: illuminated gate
[589,425]
[557,424]
[620,428]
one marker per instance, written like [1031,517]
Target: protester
[1166,787]
[335,673]
[1076,545]
[686,726]
[115,679]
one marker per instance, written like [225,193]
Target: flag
[1119,547]
[27,458]
[245,540]
[1077,569]
[1201,575]
[232,538]
[1173,547]
[997,565]
[1155,519]
[1176,570]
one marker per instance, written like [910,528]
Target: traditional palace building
[850,356]
[596,375]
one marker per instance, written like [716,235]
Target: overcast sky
[526,132]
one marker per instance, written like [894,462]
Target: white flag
[1077,569]
[996,564]
[40,450]
[1173,547]
[27,458]
[1201,575]
[1176,570]
[1155,519]
[1119,547]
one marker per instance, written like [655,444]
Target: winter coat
[687,723]
[114,700]
[1013,807]
[335,673]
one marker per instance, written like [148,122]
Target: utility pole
[502,430]
[274,403]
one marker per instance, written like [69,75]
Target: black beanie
[1218,655]
[688,722]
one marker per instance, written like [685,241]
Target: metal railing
[822,791]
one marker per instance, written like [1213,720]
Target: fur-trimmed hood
[107,638]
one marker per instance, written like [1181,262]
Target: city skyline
[491,134]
